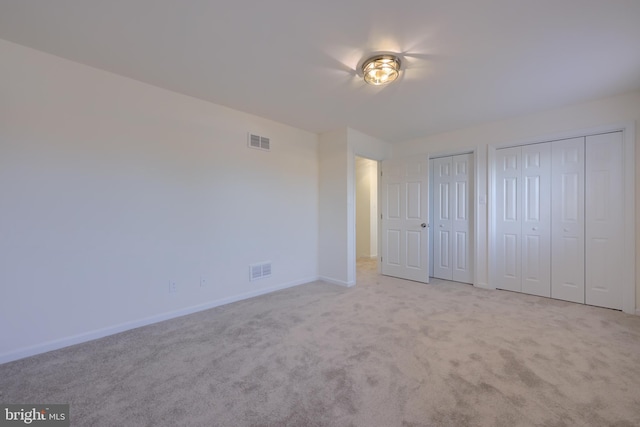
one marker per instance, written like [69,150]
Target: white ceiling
[464,62]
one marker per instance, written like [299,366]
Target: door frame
[351,211]
[629,137]
[378,167]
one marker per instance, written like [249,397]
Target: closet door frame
[629,136]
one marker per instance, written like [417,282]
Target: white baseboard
[337,282]
[484,286]
[637,311]
[111,330]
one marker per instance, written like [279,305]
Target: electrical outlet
[203,282]
[173,287]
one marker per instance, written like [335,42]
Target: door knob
[423,225]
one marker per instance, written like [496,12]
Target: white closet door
[536,221]
[567,220]
[604,218]
[508,219]
[442,220]
[462,213]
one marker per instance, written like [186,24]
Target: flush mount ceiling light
[381,69]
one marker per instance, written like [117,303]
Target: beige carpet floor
[387,352]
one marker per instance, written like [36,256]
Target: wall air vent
[259,271]
[259,142]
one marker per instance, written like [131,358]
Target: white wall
[536,127]
[110,188]
[333,224]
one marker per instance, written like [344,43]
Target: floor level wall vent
[260,271]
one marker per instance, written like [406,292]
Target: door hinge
[380,216]
[380,259]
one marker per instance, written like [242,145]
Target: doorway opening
[366,204]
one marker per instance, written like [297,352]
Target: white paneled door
[559,222]
[462,218]
[508,170]
[405,239]
[536,219]
[523,219]
[604,207]
[442,218]
[567,201]
[452,222]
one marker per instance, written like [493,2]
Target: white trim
[451,153]
[629,274]
[628,132]
[491,220]
[430,216]
[351,217]
[577,133]
[481,247]
[378,213]
[484,286]
[111,330]
[476,216]
[637,311]
[337,281]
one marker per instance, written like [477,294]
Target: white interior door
[442,220]
[508,219]
[405,240]
[461,214]
[567,219]
[604,202]
[536,220]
